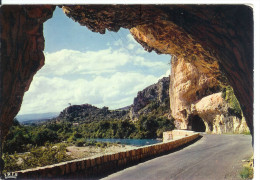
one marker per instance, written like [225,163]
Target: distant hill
[36,117]
[153,100]
[88,113]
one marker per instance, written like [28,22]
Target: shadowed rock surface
[22,45]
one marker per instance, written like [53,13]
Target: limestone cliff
[194,95]
[153,97]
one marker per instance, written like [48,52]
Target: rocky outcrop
[187,85]
[87,113]
[214,111]
[151,98]
[203,35]
[195,94]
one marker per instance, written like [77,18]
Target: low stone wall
[176,134]
[101,165]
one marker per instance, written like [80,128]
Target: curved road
[212,157]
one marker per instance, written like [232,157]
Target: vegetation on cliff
[229,96]
[87,113]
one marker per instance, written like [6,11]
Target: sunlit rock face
[208,37]
[187,85]
[213,110]
[22,45]
[194,93]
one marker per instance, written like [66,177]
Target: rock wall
[195,93]
[22,45]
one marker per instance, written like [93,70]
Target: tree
[44,135]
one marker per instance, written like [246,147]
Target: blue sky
[86,67]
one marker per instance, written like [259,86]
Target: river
[133,142]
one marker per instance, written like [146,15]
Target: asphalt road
[212,157]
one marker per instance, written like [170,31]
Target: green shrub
[247,173]
[16,139]
[90,143]
[229,96]
[80,142]
[44,135]
[42,156]
[11,162]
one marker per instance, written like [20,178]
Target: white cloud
[54,94]
[90,62]
[131,46]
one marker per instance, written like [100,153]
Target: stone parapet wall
[176,134]
[101,165]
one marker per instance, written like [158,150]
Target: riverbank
[91,151]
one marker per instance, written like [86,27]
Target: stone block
[127,154]
[73,167]
[95,170]
[138,151]
[98,160]
[112,157]
[62,169]
[125,161]
[88,163]
[93,162]
[83,166]
[105,159]
[78,165]
[68,168]
[122,155]
[117,156]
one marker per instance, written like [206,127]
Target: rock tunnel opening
[196,124]
[208,33]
